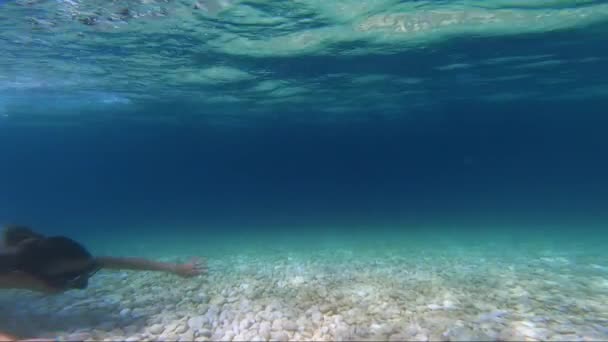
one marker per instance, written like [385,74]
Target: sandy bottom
[333,294]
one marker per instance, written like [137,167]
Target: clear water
[432,169]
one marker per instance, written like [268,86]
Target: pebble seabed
[329,296]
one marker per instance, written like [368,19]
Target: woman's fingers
[195,267]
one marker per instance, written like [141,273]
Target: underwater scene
[304,170]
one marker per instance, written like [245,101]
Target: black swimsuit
[38,258]
[8,262]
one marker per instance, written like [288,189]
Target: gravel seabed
[330,295]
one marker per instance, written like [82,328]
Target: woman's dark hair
[37,257]
[14,234]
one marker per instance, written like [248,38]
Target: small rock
[197,322]
[276,315]
[171,327]
[460,333]
[203,298]
[106,326]
[264,330]
[298,280]
[138,313]
[80,336]
[493,316]
[302,322]
[204,332]
[290,326]
[240,338]
[245,324]
[326,308]
[228,336]
[168,337]
[448,304]
[131,330]
[317,317]
[379,329]
[342,333]
[277,324]
[181,328]
[279,336]
[219,300]
[397,337]
[420,338]
[117,332]
[125,312]
[187,336]
[156,329]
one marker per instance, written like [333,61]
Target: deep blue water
[458,158]
[522,162]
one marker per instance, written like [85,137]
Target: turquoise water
[349,170]
[435,284]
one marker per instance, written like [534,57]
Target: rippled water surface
[231,60]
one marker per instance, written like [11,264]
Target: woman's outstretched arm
[191,269]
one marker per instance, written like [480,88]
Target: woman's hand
[192,269]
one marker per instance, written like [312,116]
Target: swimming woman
[32,261]
[55,264]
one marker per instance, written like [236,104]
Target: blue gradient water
[476,157]
[523,162]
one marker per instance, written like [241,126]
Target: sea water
[349,170]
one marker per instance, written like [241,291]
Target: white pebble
[240,338]
[277,324]
[317,317]
[203,297]
[245,324]
[180,329]
[187,336]
[156,329]
[264,330]
[290,326]
[131,329]
[325,308]
[420,338]
[279,336]
[205,332]
[80,336]
[197,322]
[228,336]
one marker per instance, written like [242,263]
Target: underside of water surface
[229,61]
